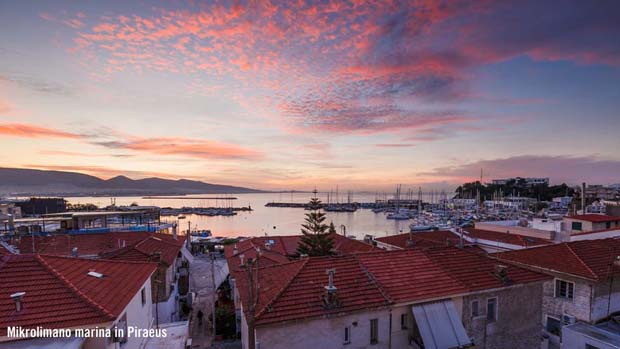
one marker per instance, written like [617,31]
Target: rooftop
[59,293]
[595,218]
[422,239]
[144,249]
[507,238]
[279,248]
[590,259]
[294,290]
[86,244]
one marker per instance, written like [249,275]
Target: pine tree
[332,228]
[316,239]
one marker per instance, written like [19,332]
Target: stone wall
[517,326]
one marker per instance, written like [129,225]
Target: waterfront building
[527,181]
[590,222]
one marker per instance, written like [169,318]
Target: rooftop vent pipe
[17,297]
[331,296]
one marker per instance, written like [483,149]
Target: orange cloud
[197,148]
[32,131]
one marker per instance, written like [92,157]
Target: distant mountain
[17,181]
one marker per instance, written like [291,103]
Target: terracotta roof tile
[294,290]
[422,239]
[144,250]
[591,259]
[59,293]
[508,238]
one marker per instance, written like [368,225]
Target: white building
[75,294]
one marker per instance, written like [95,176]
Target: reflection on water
[266,220]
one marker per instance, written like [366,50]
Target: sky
[303,94]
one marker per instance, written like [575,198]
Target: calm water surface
[262,220]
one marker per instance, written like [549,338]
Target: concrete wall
[518,311]
[603,305]
[327,333]
[544,234]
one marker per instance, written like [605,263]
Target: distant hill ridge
[43,182]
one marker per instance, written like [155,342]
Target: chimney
[235,250]
[583,198]
[74,252]
[501,272]
[241,259]
[331,297]
[174,231]
[17,297]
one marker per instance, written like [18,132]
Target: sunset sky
[292,95]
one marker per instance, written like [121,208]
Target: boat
[398,216]
[418,227]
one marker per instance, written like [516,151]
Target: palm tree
[316,238]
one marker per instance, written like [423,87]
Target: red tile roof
[60,294]
[507,238]
[595,218]
[145,249]
[422,239]
[294,290]
[284,247]
[591,259]
[87,244]
[4,251]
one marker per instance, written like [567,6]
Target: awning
[440,325]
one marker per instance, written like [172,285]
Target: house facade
[585,287]
[72,293]
[390,299]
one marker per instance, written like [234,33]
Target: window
[347,335]
[564,289]
[576,226]
[475,310]
[143,294]
[374,331]
[553,326]
[403,321]
[491,309]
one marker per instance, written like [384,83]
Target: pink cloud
[196,148]
[33,131]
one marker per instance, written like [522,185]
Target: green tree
[316,239]
[332,228]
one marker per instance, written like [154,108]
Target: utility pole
[251,335]
[214,291]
